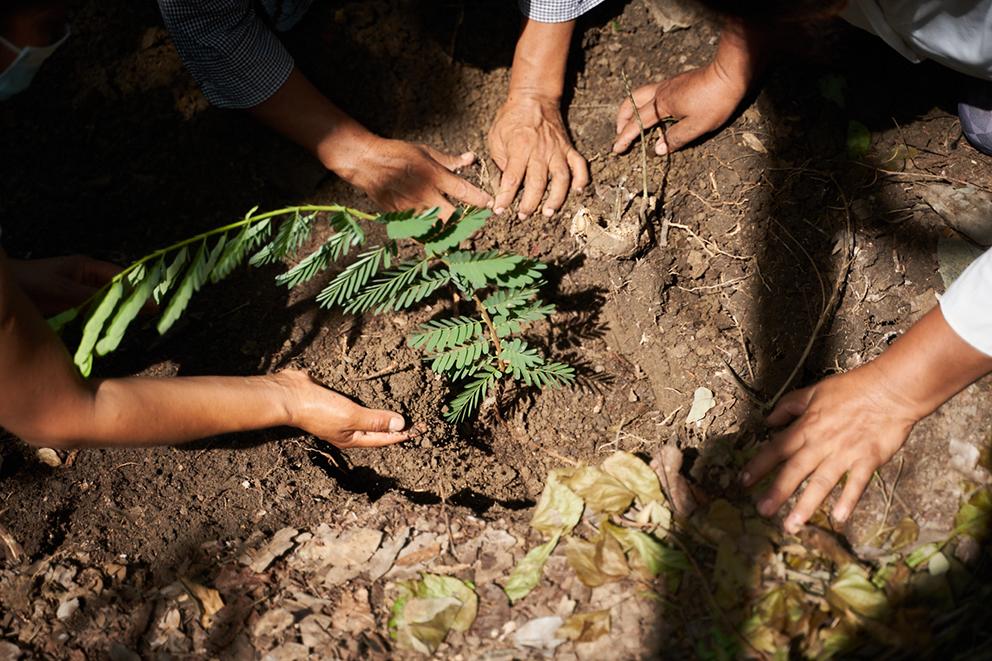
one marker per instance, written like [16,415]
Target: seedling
[476,349]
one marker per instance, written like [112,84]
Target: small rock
[67,609]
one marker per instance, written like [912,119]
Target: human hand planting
[400,175]
[848,424]
[853,423]
[336,419]
[701,100]
[58,283]
[529,143]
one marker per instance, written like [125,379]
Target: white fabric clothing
[955,33]
[967,305]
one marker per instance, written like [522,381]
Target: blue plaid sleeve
[556,11]
[227,47]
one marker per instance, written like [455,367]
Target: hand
[335,418]
[701,100]
[59,283]
[400,175]
[529,143]
[851,423]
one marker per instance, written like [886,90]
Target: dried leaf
[527,574]
[586,627]
[852,590]
[975,517]
[208,601]
[668,465]
[722,520]
[260,559]
[540,633]
[648,556]
[905,533]
[702,401]
[654,518]
[558,510]
[600,491]
[752,141]
[597,563]
[635,475]
[427,609]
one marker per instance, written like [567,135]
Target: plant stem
[247,220]
[492,331]
[644,148]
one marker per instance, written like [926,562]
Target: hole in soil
[364,480]
[58,527]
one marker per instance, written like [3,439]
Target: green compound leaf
[478,269]
[289,237]
[406,225]
[62,319]
[309,267]
[129,310]
[441,334]
[527,272]
[427,285]
[194,278]
[171,273]
[347,283]
[462,357]
[469,399]
[550,374]
[527,574]
[459,227]
[501,301]
[94,325]
[387,286]
[232,256]
[519,358]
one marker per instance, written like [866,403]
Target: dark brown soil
[114,153]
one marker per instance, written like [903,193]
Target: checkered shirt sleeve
[227,47]
[556,11]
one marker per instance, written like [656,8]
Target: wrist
[288,397]
[344,150]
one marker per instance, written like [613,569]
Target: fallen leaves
[427,609]
[852,590]
[259,559]
[703,401]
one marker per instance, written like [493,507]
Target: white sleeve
[967,305]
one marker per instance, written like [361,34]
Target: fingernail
[498,210]
[616,149]
[521,216]
[765,508]
[548,212]
[792,524]
[661,149]
[396,423]
[841,514]
[745,478]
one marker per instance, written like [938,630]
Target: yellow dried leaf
[585,627]
[597,563]
[635,475]
[558,509]
[600,491]
[852,590]
[208,601]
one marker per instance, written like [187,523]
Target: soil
[114,152]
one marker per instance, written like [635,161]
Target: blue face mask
[21,71]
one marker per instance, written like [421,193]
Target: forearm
[540,59]
[743,53]
[931,363]
[301,113]
[155,411]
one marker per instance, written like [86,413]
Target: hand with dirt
[528,140]
[700,101]
[853,423]
[529,143]
[59,283]
[400,175]
[336,419]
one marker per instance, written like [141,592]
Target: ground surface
[113,153]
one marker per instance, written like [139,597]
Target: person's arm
[45,401]
[854,422]
[240,63]
[702,100]
[397,175]
[528,140]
